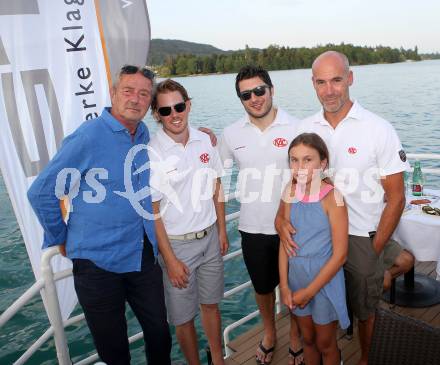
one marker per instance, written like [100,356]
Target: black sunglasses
[130,70]
[166,110]
[258,91]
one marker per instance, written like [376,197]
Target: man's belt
[191,236]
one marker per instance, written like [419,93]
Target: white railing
[426,156]
[46,285]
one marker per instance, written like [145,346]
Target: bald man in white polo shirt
[367,161]
[258,143]
[191,232]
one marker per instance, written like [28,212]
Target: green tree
[276,57]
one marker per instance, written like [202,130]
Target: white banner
[56,62]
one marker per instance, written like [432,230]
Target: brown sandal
[266,352]
[296,354]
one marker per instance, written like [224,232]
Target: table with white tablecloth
[419,233]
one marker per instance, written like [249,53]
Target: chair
[403,340]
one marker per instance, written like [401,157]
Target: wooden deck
[244,345]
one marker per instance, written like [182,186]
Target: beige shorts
[364,272]
[206,279]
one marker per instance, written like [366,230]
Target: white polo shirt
[362,148]
[264,170]
[182,179]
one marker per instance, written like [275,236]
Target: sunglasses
[258,91]
[166,110]
[130,70]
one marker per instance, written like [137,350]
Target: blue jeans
[102,295]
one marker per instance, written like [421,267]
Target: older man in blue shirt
[110,236]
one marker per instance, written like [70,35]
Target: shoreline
[164,76]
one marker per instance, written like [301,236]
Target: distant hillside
[161,48]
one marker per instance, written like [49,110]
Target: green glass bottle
[417,180]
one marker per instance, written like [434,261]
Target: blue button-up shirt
[104,226]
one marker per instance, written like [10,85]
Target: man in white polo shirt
[367,161]
[191,232]
[258,143]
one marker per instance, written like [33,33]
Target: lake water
[407,94]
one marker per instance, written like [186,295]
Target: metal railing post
[53,307]
[278,304]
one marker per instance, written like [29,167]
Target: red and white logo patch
[204,157]
[280,142]
[352,150]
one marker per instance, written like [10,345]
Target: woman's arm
[338,219]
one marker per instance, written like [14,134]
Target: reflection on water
[406,94]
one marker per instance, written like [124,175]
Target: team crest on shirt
[402,155]
[204,157]
[280,142]
[352,150]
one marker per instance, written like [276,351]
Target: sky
[232,24]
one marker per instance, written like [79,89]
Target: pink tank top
[313,198]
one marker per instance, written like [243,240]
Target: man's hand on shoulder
[211,135]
